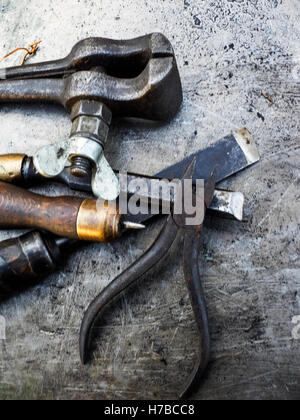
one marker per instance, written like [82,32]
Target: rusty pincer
[146,262]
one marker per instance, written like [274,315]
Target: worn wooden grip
[20,208]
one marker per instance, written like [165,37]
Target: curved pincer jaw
[144,264]
[151,257]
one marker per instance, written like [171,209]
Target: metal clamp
[83,151]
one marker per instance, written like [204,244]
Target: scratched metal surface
[229,53]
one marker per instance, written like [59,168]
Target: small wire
[31,51]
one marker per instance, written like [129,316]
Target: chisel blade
[231,155]
[228,204]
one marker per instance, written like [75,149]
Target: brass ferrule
[98,221]
[11,167]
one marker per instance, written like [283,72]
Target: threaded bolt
[81,167]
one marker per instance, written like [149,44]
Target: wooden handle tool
[67,217]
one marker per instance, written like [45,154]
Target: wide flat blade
[228,204]
[147,189]
[231,154]
[228,156]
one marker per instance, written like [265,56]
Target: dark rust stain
[60,153]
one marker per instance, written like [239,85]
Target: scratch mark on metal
[279,201]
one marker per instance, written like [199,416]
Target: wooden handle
[68,217]
[20,208]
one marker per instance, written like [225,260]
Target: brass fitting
[98,221]
[11,167]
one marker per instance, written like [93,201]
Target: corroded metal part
[228,204]
[84,149]
[51,160]
[248,146]
[191,250]
[105,183]
[27,257]
[231,155]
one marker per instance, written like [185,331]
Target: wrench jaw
[136,78]
[130,55]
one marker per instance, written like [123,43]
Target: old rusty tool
[225,203]
[36,254]
[100,77]
[68,217]
[145,263]
[22,256]
[87,219]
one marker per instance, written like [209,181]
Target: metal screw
[81,167]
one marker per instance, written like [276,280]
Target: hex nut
[89,108]
[91,127]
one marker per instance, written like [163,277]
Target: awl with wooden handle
[67,217]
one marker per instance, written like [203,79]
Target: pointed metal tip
[210,186]
[131,225]
[190,169]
